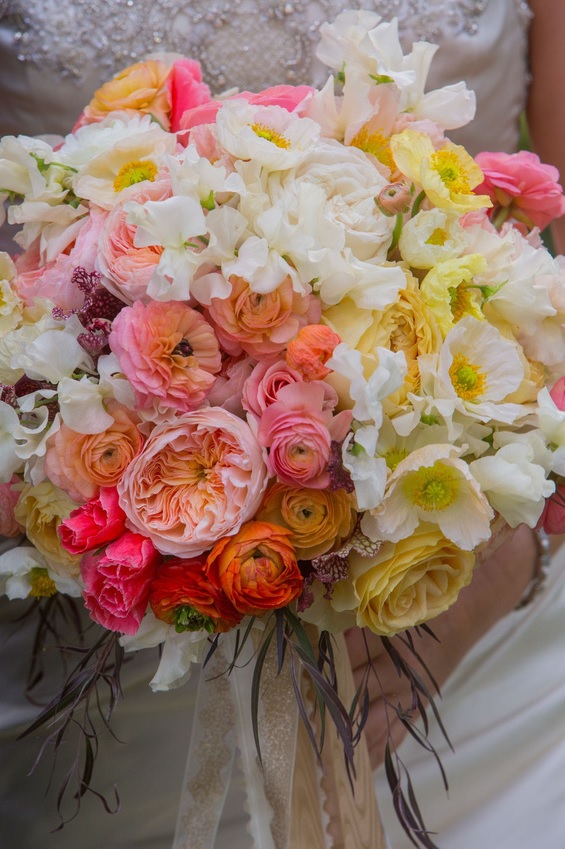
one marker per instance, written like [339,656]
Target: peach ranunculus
[168,352]
[126,267]
[182,595]
[261,324]
[81,463]
[317,518]
[410,581]
[40,510]
[311,349]
[141,87]
[198,478]
[256,568]
[298,432]
[521,187]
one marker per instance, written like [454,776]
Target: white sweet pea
[369,393]
[273,136]
[35,427]
[113,384]
[53,355]
[192,174]
[371,285]
[368,473]
[175,224]
[515,485]
[9,429]
[81,404]
[551,422]
[19,165]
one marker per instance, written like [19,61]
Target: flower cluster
[274,350]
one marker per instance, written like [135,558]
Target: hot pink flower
[9,527]
[168,352]
[99,521]
[117,583]
[261,324]
[521,184]
[298,432]
[186,89]
[289,97]
[197,480]
[552,520]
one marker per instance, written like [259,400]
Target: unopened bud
[394,199]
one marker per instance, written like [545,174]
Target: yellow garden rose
[141,87]
[318,518]
[409,582]
[406,325]
[40,510]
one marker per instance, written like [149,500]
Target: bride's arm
[546,103]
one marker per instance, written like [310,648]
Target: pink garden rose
[98,522]
[117,582]
[127,268]
[198,478]
[522,185]
[288,97]
[298,432]
[168,352]
[261,324]
[9,526]
[186,90]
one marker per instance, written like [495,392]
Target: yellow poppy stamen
[42,586]
[468,380]
[451,171]
[134,172]
[394,456]
[432,487]
[438,237]
[375,144]
[270,135]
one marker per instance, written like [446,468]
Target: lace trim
[231,39]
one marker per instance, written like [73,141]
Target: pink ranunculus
[552,520]
[98,522]
[261,324]
[198,479]
[168,352]
[126,267]
[288,97]
[9,496]
[523,185]
[230,383]
[267,379]
[557,393]
[298,433]
[117,582]
[186,89]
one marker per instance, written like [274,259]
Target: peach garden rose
[197,479]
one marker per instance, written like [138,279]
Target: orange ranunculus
[141,87]
[318,518]
[256,568]
[182,595]
[311,349]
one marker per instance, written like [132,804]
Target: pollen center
[270,135]
[374,143]
[438,237]
[42,586]
[451,171]
[468,380]
[432,487]
[394,456]
[134,172]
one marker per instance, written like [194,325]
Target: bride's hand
[498,584]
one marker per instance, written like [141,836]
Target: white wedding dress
[503,707]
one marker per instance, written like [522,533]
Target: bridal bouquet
[275,359]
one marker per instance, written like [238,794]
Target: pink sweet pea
[117,583]
[298,432]
[186,90]
[289,97]
[552,520]
[521,187]
[99,521]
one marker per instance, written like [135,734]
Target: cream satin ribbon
[293,802]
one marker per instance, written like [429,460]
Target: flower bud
[394,199]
